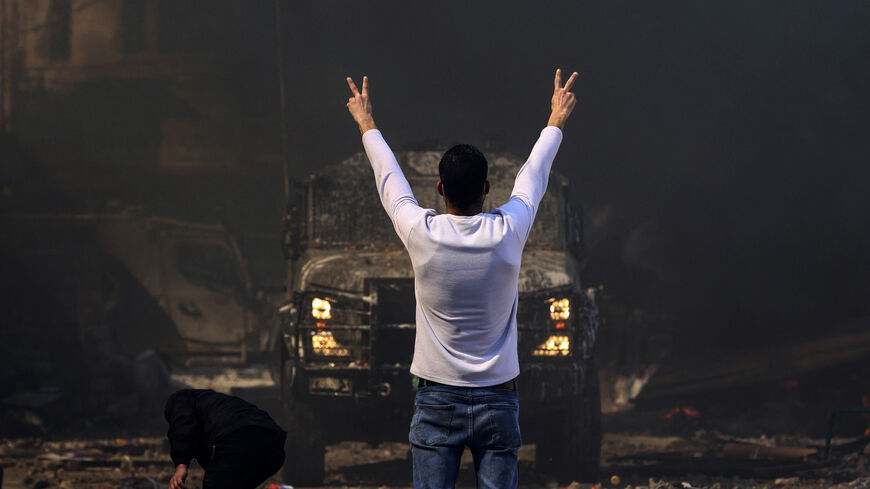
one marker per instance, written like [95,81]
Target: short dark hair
[463,172]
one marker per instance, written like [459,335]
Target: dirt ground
[629,461]
[710,440]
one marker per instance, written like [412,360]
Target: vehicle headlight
[560,309]
[320,308]
[323,343]
[554,346]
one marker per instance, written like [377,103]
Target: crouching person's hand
[177,480]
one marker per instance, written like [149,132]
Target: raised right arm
[563,101]
[531,182]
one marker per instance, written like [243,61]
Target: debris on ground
[629,461]
[754,452]
[721,461]
[140,483]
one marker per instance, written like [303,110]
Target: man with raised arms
[466,271]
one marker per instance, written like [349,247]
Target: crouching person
[237,444]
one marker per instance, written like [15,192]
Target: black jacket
[199,418]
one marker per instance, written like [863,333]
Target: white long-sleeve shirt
[466,269]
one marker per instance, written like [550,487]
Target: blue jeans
[447,419]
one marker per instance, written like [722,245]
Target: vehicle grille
[392,319]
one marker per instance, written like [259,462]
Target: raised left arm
[395,192]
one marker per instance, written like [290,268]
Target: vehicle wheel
[571,450]
[304,448]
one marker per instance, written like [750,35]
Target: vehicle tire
[305,449]
[571,450]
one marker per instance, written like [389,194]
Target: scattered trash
[140,483]
[660,484]
[140,463]
[688,411]
[860,483]
[786,481]
[623,389]
[761,451]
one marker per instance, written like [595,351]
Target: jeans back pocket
[504,421]
[431,423]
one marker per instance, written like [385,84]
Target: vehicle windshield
[344,209]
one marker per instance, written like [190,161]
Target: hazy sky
[720,148]
[734,134]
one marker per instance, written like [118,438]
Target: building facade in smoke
[108,104]
[141,87]
[157,103]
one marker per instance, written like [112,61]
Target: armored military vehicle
[348,323]
[129,280]
[86,291]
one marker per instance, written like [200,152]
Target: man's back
[466,269]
